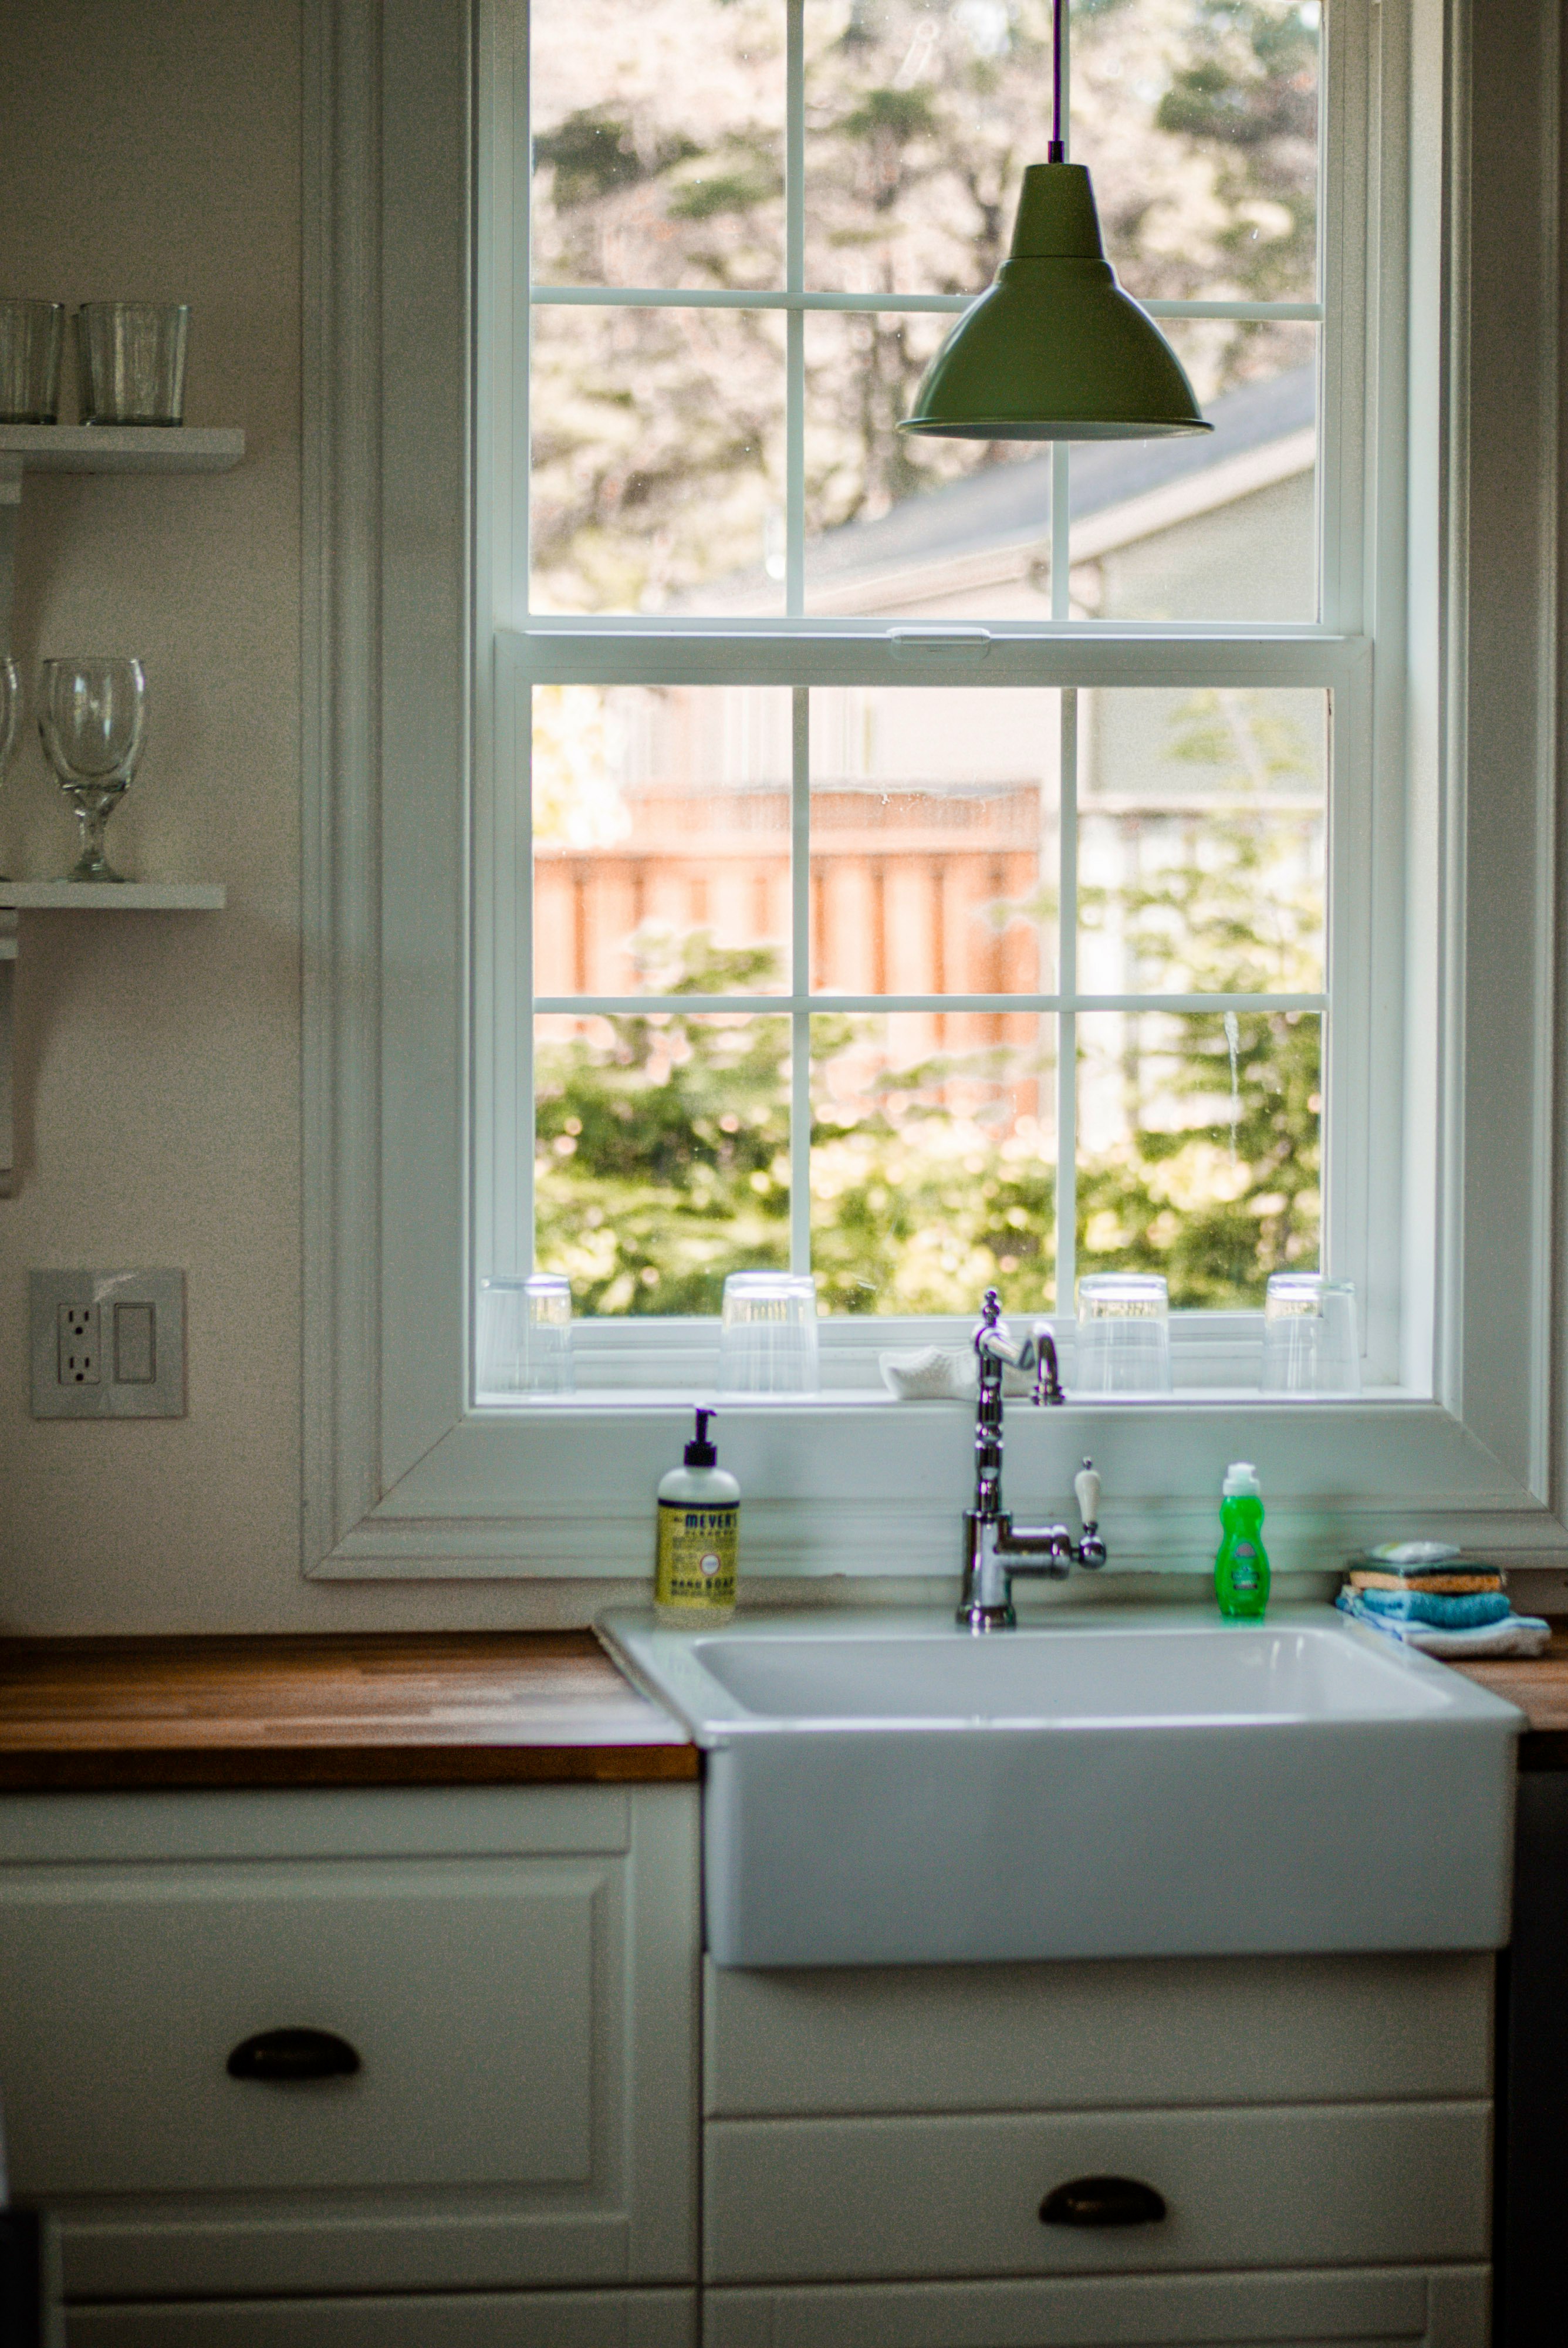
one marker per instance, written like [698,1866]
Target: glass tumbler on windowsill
[767,1342]
[1309,1338]
[1123,1334]
[524,1337]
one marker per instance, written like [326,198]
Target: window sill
[561,1488]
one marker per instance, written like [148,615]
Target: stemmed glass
[92,717]
[10,713]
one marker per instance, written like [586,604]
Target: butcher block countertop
[469,1708]
[1539,1686]
[409,1708]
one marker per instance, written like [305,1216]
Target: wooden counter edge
[188,1768]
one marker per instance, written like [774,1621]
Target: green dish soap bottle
[1241,1568]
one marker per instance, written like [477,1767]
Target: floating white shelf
[113,896]
[120,448]
[18,897]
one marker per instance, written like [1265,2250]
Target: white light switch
[135,1351]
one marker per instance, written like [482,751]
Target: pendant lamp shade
[1054,350]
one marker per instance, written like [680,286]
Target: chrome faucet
[995,1549]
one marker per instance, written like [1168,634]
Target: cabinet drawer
[556,2319]
[842,2200]
[954,2038]
[466,1988]
[1277,2310]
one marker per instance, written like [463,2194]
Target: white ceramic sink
[883,1788]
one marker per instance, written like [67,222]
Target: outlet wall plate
[108,1344]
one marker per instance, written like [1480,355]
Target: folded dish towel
[1440,1613]
[1516,1635]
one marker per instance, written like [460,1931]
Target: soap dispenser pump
[699,1536]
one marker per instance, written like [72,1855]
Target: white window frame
[1443,903]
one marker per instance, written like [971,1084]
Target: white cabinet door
[513,1970]
[556,2319]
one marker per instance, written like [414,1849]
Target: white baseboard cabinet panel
[546,2318]
[514,1969]
[1370,2309]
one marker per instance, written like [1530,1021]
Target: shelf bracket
[10,507]
[7,1037]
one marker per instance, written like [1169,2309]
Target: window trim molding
[399,1480]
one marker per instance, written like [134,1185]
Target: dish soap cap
[1241,1478]
[699,1452]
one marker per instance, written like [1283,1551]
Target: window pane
[663,1156]
[932,1162]
[1201,824]
[1199,1149]
[933,816]
[1224,527]
[898,527]
[1196,118]
[921,115]
[662,839]
[657,142]
[657,456]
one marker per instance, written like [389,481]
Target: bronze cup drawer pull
[291,2054]
[1102,2201]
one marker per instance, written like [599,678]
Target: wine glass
[10,713]
[92,714]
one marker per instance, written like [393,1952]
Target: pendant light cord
[1058,153]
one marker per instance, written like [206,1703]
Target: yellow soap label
[696,1565]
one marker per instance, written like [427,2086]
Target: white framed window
[425,1178]
[1002,803]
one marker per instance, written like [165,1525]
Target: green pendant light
[1054,350]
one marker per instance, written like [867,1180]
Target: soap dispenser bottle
[699,1535]
[1241,1568]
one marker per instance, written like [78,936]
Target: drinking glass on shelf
[92,714]
[31,336]
[525,1337]
[1123,1334]
[1310,1341]
[130,361]
[767,1341]
[10,713]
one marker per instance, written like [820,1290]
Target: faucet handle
[1086,1484]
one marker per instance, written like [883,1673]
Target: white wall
[150,149]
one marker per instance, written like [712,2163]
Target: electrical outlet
[77,1362]
[108,1344]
